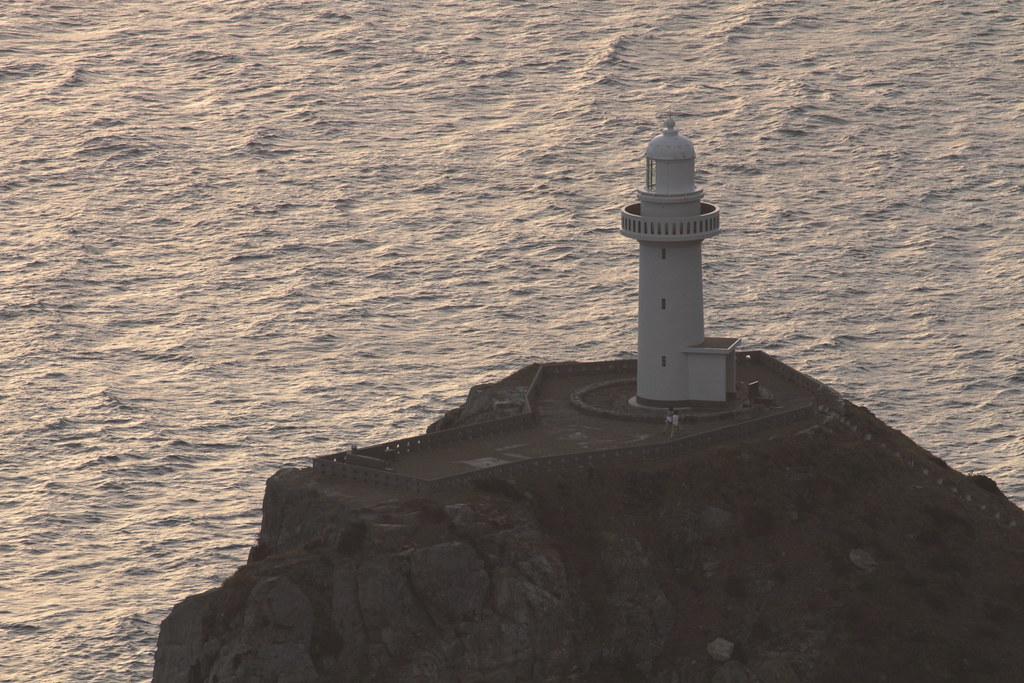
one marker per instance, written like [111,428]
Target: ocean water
[236,234]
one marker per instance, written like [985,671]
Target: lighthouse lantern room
[676,364]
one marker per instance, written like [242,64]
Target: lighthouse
[676,364]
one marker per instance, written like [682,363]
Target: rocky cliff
[838,552]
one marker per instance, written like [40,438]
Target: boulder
[721,649]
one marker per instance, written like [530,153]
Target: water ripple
[236,234]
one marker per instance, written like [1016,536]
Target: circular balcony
[669,228]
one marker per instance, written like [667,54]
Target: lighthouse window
[663,304]
[650,175]
[662,254]
[664,361]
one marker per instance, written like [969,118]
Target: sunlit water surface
[238,234]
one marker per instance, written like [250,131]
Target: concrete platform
[559,426]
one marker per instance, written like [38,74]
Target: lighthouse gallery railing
[670,228]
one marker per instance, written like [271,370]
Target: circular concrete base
[611,399]
[616,399]
[635,402]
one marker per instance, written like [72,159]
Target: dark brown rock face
[839,552]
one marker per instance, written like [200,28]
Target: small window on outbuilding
[651,184]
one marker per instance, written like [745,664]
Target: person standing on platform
[668,420]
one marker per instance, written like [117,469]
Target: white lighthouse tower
[676,364]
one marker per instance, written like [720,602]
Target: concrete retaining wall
[589,368]
[391,449]
[823,394]
[326,465]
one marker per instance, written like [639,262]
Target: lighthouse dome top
[670,145]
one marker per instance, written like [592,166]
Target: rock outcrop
[842,552]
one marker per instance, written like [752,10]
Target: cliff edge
[834,551]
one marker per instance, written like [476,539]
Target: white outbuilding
[676,364]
